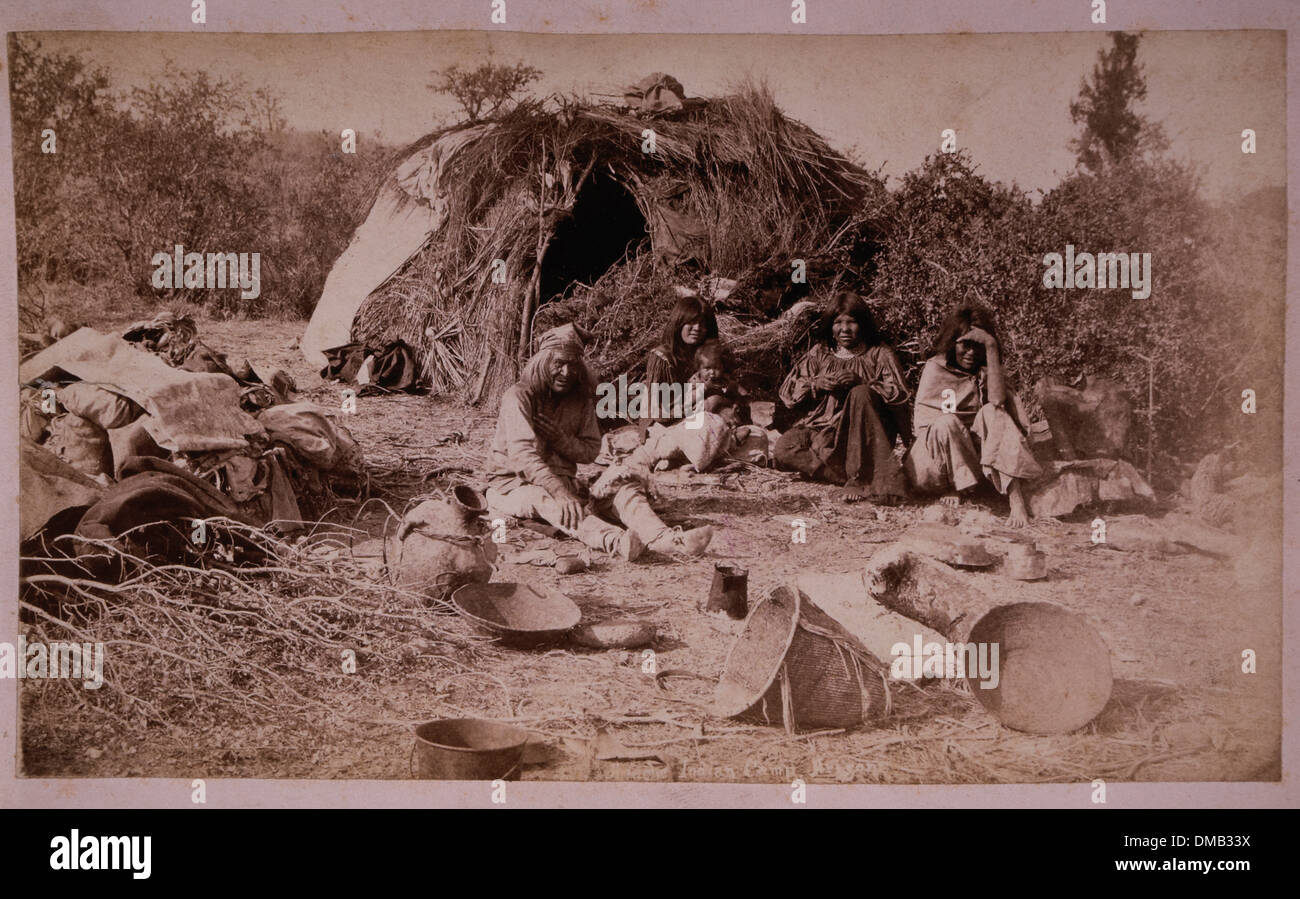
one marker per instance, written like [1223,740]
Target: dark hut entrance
[605,224]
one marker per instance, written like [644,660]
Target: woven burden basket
[795,666]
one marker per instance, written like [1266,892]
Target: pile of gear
[175,338]
[145,434]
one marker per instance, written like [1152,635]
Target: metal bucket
[729,592]
[468,749]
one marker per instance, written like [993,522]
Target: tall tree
[1112,130]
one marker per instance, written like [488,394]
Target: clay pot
[441,545]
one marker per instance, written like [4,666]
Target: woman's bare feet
[1019,510]
[951,498]
[853,494]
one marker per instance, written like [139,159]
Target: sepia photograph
[795,409]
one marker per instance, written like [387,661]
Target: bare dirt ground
[1182,710]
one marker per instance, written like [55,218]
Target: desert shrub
[956,237]
[321,195]
[188,159]
[1137,206]
[62,94]
[173,169]
[1245,273]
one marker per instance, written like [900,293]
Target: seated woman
[964,424]
[858,401]
[546,428]
[691,324]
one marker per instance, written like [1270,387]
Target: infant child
[721,395]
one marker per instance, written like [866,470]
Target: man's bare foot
[951,498]
[1019,516]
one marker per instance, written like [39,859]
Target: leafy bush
[955,238]
[959,238]
[62,94]
[188,159]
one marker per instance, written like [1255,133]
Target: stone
[977,521]
[1137,534]
[1066,486]
[1086,423]
[940,514]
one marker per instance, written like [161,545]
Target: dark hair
[715,349]
[848,302]
[687,310]
[960,320]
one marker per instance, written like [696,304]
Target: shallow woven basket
[520,615]
[796,667]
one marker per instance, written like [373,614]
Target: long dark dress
[662,367]
[847,435]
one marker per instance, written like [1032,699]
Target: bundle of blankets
[135,438]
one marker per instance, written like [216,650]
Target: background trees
[189,158]
[484,90]
[1112,129]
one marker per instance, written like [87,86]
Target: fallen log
[1053,668]
[947,544]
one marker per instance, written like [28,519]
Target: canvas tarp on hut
[483,226]
[407,211]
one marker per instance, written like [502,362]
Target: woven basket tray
[795,666]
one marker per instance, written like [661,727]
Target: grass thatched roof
[766,188]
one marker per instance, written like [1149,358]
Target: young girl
[691,324]
[718,391]
[964,423]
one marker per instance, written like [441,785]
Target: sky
[888,96]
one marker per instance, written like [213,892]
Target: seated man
[547,426]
